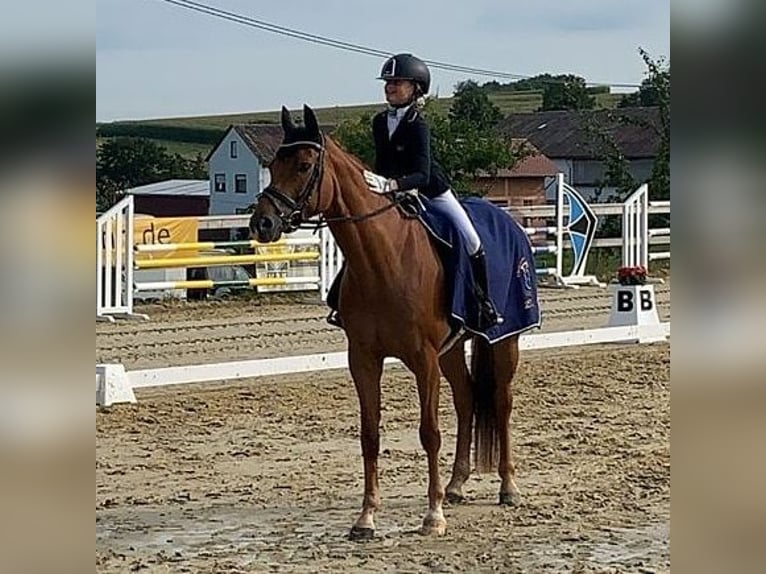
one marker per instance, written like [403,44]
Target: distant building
[238,165]
[525,183]
[172,198]
[565,137]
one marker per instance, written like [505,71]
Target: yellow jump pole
[225,260]
[207,245]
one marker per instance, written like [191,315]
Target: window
[223,273]
[240,274]
[233,149]
[240,183]
[220,182]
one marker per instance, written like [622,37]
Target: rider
[404,162]
[404,156]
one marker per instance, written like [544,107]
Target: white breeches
[448,205]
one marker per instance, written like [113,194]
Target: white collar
[400,112]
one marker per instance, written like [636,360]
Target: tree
[656,89]
[567,92]
[617,173]
[466,148]
[471,105]
[535,83]
[356,136]
[125,162]
[197,167]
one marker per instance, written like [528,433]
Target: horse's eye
[304,167]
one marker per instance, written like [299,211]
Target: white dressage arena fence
[116,385]
[633,319]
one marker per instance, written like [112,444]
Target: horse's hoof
[454,498]
[510,499]
[434,528]
[359,534]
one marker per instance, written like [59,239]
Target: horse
[393,303]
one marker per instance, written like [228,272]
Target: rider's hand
[378,183]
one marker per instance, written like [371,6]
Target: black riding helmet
[407,67]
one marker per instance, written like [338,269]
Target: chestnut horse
[393,303]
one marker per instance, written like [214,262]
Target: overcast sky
[154,59]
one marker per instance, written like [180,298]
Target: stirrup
[334,319]
[488,315]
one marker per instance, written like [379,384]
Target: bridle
[293,218]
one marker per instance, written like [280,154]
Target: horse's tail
[486,442]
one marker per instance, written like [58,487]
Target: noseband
[293,218]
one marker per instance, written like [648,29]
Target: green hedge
[170,133]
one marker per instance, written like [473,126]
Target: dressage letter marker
[635,305]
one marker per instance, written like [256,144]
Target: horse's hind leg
[455,370]
[506,360]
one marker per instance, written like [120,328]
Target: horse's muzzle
[266,228]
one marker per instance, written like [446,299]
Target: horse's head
[296,179]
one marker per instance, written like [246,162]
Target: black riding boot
[488,316]
[333,300]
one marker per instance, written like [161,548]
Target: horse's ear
[287,121]
[310,122]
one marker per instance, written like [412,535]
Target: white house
[237,165]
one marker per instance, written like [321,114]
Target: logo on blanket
[524,273]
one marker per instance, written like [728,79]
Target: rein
[294,219]
[325,221]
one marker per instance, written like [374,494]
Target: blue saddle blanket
[510,268]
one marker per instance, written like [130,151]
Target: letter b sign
[634,305]
[625,301]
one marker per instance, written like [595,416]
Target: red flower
[632,275]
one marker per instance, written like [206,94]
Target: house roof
[565,134]
[262,139]
[179,187]
[532,164]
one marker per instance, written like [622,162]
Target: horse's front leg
[426,369]
[366,370]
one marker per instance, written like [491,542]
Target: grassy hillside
[508,102]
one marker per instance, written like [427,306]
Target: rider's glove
[379,184]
